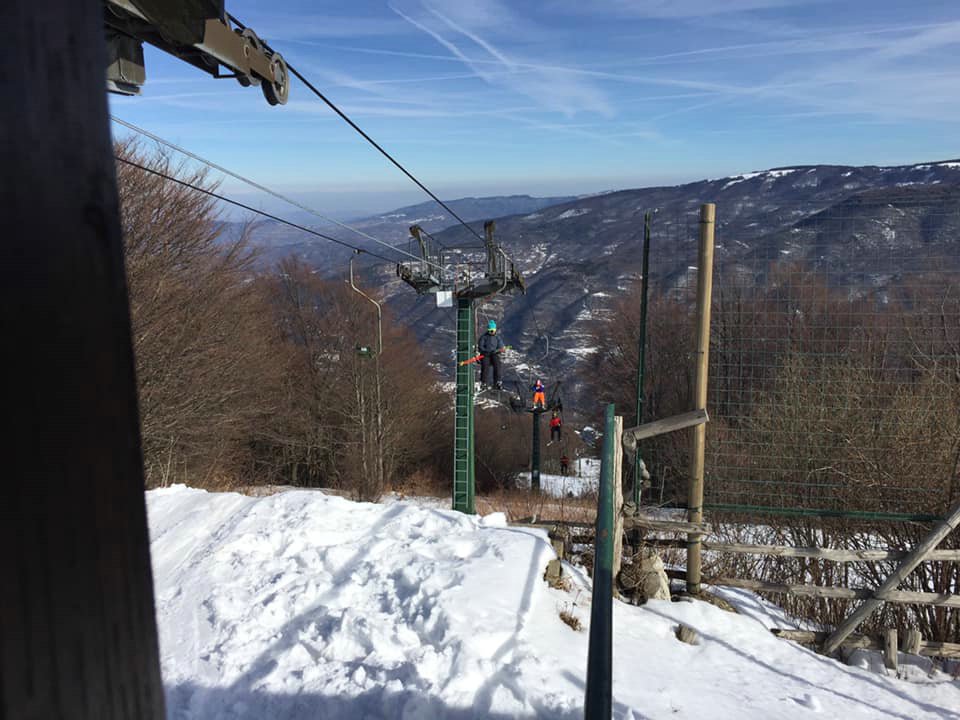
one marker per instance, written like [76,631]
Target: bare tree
[202,339]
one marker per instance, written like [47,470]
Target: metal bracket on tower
[425,275]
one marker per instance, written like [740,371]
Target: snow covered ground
[301,605]
[584,478]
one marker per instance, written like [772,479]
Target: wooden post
[890,650]
[889,585]
[77,620]
[911,642]
[617,499]
[661,427]
[704,291]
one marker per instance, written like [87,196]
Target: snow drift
[302,605]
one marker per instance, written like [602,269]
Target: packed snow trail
[300,606]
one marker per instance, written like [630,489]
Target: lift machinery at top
[498,276]
[469,285]
[196,31]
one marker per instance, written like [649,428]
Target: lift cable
[258,186]
[351,123]
[239,204]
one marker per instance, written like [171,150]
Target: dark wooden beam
[77,623]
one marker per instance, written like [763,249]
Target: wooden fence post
[890,650]
[911,642]
[704,291]
[77,621]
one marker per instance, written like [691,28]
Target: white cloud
[556,89]
[675,9]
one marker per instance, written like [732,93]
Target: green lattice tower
[464,480]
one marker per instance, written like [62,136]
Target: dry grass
[526,505]
[571,620]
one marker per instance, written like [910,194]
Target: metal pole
[535,452]
[78,635]
[464,478]
[381,471]
[598,702]
[704,290]
[379,312]
[642,355]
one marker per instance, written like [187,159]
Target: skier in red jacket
[555,424]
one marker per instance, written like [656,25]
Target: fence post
[642,354]
[704,290]
[598,702]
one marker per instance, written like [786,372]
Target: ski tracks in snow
[305,593]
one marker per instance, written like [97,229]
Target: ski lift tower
[498,276]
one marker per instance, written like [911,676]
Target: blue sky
[481,97]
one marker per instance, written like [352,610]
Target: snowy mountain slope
[301,605]
[579,255]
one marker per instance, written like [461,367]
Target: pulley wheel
[278,91]
[255,45]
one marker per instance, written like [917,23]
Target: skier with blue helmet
[490,345]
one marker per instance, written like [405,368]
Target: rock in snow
[300,606]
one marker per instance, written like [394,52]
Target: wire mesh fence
[834,361]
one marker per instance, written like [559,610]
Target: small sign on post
[444,298]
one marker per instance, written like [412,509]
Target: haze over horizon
[553,97]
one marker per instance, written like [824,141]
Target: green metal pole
[642,356]
[599,694]
[464,479]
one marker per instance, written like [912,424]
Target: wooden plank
[809,637]
[928,648]
[830,554]
[681,526]
[906,567]
[931,648]
[702,355]
[903,597]
[78,632]
[660,427]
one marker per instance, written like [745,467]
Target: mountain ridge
[578,254]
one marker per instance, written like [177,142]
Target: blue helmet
[492,325]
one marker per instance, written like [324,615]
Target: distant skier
[490,345]
[539,395]
[555,424]
[564,464]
